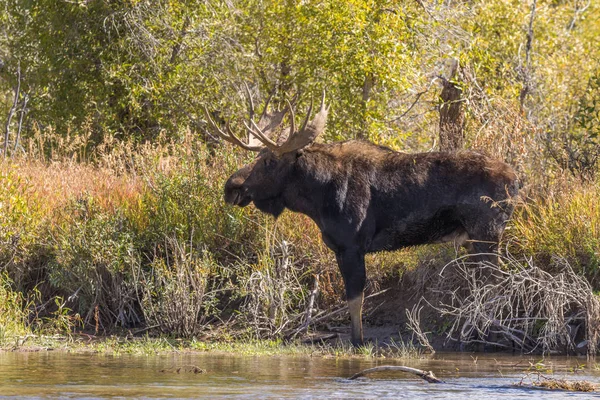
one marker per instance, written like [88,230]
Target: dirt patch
[385,320]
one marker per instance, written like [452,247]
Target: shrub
[94,252]
[562,222]
[179,294]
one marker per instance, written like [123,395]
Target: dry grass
[54,185]
[563,221]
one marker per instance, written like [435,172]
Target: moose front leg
[352,267]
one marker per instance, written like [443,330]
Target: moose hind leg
[484,243]
[483,246]
[352,267]
[484,233]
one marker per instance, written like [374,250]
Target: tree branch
[426,375]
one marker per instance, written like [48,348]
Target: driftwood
[426,375]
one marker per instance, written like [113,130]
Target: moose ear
[299,153]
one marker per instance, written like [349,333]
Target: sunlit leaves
[141,68]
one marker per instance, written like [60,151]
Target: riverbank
[139,239]
[145,345]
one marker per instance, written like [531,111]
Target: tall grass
[562,221]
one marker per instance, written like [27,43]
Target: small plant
[13,318]
[61,321]
[368,350]
[402,349]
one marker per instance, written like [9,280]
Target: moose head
[263,180]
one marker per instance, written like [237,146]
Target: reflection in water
[63,375]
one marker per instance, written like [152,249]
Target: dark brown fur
[366,198]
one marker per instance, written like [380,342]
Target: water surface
[64,375]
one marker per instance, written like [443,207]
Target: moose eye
[268,162]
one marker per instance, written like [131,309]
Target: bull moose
[367,198]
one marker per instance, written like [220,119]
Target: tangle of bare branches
[521,306]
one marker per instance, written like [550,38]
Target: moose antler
[309,131]
[229,136]
[260,132]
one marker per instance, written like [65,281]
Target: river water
[94,376]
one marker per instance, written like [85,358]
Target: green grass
[148,346]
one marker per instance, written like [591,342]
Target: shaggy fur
[366,198]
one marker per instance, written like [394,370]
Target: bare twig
[523,306]
[414,324]
[310,307]
[23,112]
[527,69]
[415,101]
[530,35]
[578,10]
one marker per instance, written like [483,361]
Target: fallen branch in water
[427,375]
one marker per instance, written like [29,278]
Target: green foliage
[128,66]
[61,321]
[111,62]
[13,318]
[141,69]
[19,224]
[94,253]
[186,203]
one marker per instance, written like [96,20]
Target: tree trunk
[452,118]
[12,110]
